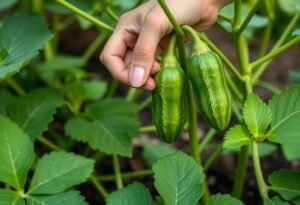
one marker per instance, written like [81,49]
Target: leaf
[223,199]
[21,35]
[257,115]
[85,90]
[286,183]
[133,194]
[153,152]
[294,77]
[67,198]
[35,111]
[7,3]
[16,154]
[276,200]
[6,98]
[58,171]
[289,6]
[99,137]
[285,127]
[237,136]
[178,179]
[265,149]
[10,197]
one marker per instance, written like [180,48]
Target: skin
[143,32]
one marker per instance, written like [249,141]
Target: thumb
[143,54]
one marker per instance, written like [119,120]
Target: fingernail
[137,76]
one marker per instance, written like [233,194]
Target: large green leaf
[35,111]
[99,137]
[67,198]
[286,183]
[237,136]
[285,127]
[5,4]
[58,171]
[289,6]
[111,130]
[178,179]
[133,194]
[6,98]
[16,154]
[154,151]
[225,199]
[257,115]
[21,36]
[8,197]
[275,201]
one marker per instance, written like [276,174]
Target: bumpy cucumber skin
[168,102]
[206,72]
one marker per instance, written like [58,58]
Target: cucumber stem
[170,59]
[199,46]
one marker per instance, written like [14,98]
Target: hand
[141,33]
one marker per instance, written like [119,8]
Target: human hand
[141,33]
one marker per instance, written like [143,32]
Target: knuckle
[153,21]
[142,52]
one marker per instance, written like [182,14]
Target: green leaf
[153,152]
[257,115]
[6,4]
[6,98]
[294,77]
[67,198]
[237,136]
[275,201]
[223,199]
[178,179]
[99,137]
[10,197]
[16,154]
[58,171]
[22,35]
[133,194]
[265,149]
[286,183]
[289,6]
[285,127]
[35,111]
[85,90]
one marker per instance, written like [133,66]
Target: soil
[220,175]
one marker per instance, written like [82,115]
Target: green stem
[98,42]
[248,18]
[37,5]
[127,175]
[236,111]
[233,87]
[211,160]
[169,59]
[145,103]
[263,189]
[86,16]
[199,47]
[269,87]
[269,56]
[146,129]
[117,170]
[48,143]
[225,18]
[112,14]
[226,61]
[19,90]
[113,88]
[207,138]
[133,94]
[98,186]
[192,114]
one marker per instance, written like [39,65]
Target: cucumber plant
[59,124]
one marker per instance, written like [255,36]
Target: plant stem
[207,138]
[263,189]
[133,94]
[215,155]
[225,18]
[226,61]
[99,186]
[268,86]
[98,42]
[248,18]
[113,88]
[48,143]
[150,128]
[127,175]
[145,103]
[112,14]
[86,16]
[192,114]
[19,90]
[117,170]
